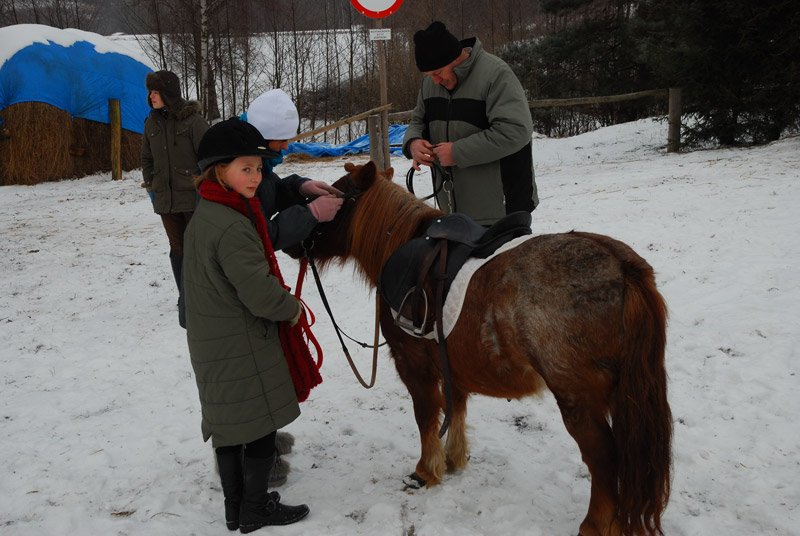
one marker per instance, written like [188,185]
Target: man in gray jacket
[472,116]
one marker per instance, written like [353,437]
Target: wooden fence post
[674,132]
[115,122]
[376,143]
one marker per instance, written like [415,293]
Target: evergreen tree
[736,60]
[589,51]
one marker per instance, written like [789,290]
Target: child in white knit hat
[292,205]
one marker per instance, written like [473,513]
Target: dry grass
[41,143]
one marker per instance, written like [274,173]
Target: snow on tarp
[73,70]
[357,146]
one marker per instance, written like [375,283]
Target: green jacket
[169,157]
[233,306]
[488,119]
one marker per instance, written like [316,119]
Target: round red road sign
[376,9]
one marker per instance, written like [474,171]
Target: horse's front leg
[422,380]
[457,447]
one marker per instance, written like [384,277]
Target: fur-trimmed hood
[188,108]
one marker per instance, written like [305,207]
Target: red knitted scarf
[294,339]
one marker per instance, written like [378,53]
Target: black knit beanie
[168,86]
[435,47]
[230,139]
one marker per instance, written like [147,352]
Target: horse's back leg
[585,419]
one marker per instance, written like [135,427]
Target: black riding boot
[177,267]
[177,270]
[230,474]
[259,508]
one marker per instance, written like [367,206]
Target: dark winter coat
[487,118]
[169,156]
[233,306]
[289,220]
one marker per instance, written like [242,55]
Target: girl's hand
[325,208]
[296,317]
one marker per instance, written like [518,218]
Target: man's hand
[317,188]
[444,152]
[421,153]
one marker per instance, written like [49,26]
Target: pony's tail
[641,417]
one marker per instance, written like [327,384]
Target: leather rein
[353,194]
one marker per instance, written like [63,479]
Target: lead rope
[339,331]
[304,323]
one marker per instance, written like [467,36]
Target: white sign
[376,9]
[380,34]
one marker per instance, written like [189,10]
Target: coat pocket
[185,180]
[269,329]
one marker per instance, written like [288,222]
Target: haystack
[39,143]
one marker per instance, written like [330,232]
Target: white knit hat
[274,115]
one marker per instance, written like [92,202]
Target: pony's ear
[364,175]
[349,166]
[388,173]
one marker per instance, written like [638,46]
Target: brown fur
[577,313]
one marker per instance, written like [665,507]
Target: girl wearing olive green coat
[233,305]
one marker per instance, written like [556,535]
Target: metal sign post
[379,9]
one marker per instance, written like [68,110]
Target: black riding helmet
[230,139]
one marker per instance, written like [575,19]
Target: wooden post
[384,99]
[115,122]
[674,132]
[376,153]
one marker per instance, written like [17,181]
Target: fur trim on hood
[189,108]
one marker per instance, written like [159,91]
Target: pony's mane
[386,217]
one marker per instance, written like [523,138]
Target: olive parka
[233,306]
[169,156]
[487,118]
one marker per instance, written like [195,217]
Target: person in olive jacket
[472,118]
[172,134]
[233,306]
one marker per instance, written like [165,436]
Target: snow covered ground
[99,416]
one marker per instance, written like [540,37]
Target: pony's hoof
[414,481]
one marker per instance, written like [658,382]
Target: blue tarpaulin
[357,146]
[74,76]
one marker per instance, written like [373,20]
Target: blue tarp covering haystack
[73,70]
[55,90]
[357,146]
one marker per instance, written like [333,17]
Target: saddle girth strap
[439,279]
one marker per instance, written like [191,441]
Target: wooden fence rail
[673,94]
[379,141]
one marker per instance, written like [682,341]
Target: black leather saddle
[409,275]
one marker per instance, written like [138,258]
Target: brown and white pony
[577,313]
